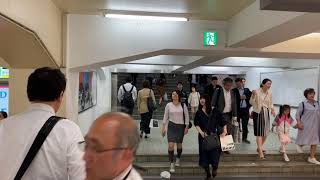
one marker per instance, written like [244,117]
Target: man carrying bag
[37,145]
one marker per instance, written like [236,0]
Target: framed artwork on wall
[87,90]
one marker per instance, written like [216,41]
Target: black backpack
[127,100]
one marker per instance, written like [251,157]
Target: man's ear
[61,96]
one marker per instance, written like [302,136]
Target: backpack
[127,100]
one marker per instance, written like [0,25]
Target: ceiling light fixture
[142,17]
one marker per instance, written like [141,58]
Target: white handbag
[227,143]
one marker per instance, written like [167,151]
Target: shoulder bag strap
[302,110]
[184,117]
[124,88]
[131,88]
[36,145]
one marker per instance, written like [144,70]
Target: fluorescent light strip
[138,17]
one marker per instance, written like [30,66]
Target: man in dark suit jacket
[224,100]
[212,87]
[243,97]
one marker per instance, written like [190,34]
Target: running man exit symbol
[210,38]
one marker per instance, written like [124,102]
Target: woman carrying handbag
[206,124]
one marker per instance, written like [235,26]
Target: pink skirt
[285,138]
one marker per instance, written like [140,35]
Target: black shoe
[246,141]
[146,137]
[227,152]
[207,169]
[214,173]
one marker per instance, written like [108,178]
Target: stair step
[224,158]
[191,168]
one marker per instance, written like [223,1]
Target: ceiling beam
[200,62]
[291,5]
[240,52]
[117,61]
[296,27]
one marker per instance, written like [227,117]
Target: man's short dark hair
[227,80]
[128,79]
[46,84]
[179,82]
[4,114]
[239,80]
[214,78]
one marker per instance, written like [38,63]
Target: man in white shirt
[59,156]
[110,147]
[127,102]
[224,100]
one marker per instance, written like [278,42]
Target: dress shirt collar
[42,107]
[124,173]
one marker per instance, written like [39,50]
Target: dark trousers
[127,110]
[244,116]
[145,122]
[228,118]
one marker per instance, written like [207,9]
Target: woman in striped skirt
[261,100]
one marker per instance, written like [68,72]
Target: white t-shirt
[59,157]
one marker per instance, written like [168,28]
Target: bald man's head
[111,144]
[123,129]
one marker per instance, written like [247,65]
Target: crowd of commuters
[234,105]
[48,147]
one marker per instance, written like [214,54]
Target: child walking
[282,123]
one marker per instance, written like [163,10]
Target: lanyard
[127,175]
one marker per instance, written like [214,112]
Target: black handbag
[211,142]
[150,104]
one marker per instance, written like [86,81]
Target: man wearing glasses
[110,147]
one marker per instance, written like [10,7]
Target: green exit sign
[210,38]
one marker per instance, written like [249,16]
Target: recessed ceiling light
[141,17]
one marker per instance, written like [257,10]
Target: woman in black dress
[201,122]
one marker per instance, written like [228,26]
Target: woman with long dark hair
[204,128]
[261,101]
[175,125]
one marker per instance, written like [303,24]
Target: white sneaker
[299,149]
[177,162]
[313,161]
[286,158]
[172,170]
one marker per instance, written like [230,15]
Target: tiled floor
[158,145]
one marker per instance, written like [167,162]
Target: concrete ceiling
[195,9]
[21,48]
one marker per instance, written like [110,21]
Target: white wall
[43,17]
[85,118]
[93,39]
[253,76]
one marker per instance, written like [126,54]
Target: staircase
[232,165]
[170,86]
